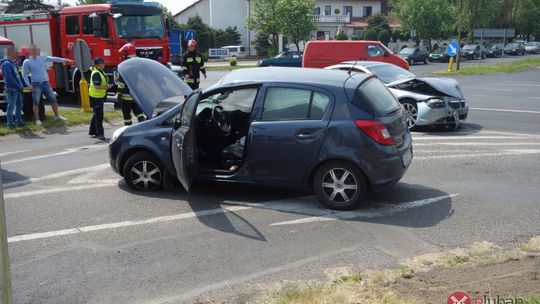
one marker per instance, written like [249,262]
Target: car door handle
[305,136]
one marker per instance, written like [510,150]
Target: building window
[327,10]
[72,25]
[367,11]
[347,10]
[317,11]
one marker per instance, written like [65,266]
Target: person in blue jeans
[36,66]
[13,88]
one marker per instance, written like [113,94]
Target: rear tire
[143,172]
[339,185]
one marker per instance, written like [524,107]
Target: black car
[439,55]
[334,133]
[414,54]
[515,48]
[473,51]
[495,50]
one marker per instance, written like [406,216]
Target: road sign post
[83,61]
[5,279]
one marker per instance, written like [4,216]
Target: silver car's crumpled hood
[446,86]
[152,85]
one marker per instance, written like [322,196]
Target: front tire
[339,185]
[143,172]
[411,113]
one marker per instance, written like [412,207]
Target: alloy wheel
[411,114]
[145,175]
[339,185]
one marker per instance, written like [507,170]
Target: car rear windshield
[372,96]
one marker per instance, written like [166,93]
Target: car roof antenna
[350,70]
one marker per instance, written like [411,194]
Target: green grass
[499,68]
[458,260]
[75,118]
[228,68]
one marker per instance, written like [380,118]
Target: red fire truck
[104,27]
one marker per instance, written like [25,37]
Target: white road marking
[505,110]
[509,133]
[102,184]
[12,152]
[477,144]
[154,220]
[474,155]
[57,175]
[388,210]
[468,137]
[67,151]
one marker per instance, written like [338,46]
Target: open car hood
[447,86]
[152,85]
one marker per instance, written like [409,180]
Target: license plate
[406,158]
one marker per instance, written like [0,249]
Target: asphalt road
[77,234]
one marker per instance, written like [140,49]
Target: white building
[220,14]
[332,16]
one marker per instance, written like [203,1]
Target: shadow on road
[465,129]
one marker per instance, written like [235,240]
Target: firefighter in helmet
[192,65]
[128,104]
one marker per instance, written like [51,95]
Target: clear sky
[173,5]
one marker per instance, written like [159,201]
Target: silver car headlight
[117,133]
[436,103]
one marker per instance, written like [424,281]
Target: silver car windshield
[389,73]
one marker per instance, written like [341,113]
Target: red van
[320,54]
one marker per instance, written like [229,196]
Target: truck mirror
[168,26]
[96,24]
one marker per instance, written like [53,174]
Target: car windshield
[533,43]
[469,47]
[512,45]
[137,26]
[389,73]
[495,46]
[406,51]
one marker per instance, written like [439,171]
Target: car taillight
[376,130]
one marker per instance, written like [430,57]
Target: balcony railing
[332,18]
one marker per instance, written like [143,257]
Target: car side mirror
[386,54]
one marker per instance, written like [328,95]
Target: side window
[87,27]
[375,51]
[293,104]
[72,25]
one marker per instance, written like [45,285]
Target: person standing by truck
[99,84]
[36,66]
[13,88]
[192,65]
[128,50]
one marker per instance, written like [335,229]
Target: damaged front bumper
[455,112]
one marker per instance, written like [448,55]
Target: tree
[261,43]
[203,33]
[265,18]
[430,18]
[296,19]
[384,37]
[83,2]
[378,23]
[232,36]
[21,5]
[342,36]
[528,18]
[370,34]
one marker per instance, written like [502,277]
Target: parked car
[439,55]
[414,54]
[533,47]
[427,100]
[287,59]
[337,134]
[320,54]
[473,51]
[515,48]
[495,50]
[236,51]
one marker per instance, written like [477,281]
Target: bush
[342,36]
[384,37]
[272,51]
[370,34]
[232,61]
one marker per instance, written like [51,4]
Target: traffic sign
[452,49]
[82,56]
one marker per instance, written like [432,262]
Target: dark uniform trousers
[129,105]
[96,125]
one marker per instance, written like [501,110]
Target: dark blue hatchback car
[325,130]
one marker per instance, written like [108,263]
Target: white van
[237,51]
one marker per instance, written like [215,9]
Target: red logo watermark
[459,297]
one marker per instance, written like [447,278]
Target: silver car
[427,100]
[533,47]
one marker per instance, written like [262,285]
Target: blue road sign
[452,49]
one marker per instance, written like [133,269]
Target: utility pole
[458,55]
